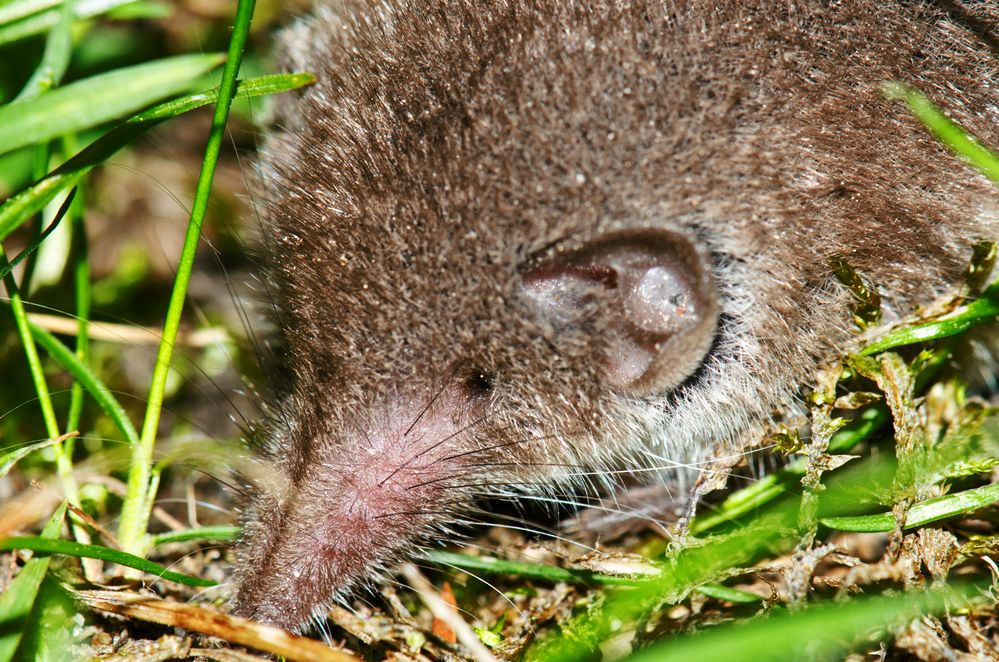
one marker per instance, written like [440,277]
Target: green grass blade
[19,597]
[772,531]
[147,9]
[203,533]
[770,487]
[52,630]
[549,573]
[26,18]
[729,594]
[72,548]
[526,570]
[824,632]
[64,465]
[30,351]
[33,246]
[42,154]
[743,502]
[23,205]
[139,495]
[920,514]
[55,60]
[80,252]
[583,633]
[8,460]
[947,131]
[93,101]
[18,9]
[252,87]
[476,564]
[864,524]
[82,373]
[983,310]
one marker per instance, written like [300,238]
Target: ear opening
[645,293]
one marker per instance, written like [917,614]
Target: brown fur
[449,144]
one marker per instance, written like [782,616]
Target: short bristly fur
[450,147]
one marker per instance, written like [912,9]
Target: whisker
[467,485]
[414,513]
[30,401]
[525,464]
[628,512]
[500,593]
[490,448]
[177,561]
[206,473]
[640,470]
[525,529]
[206,590]
[206,505]
[441,479]
[424,452]
[452,435]
[424,411]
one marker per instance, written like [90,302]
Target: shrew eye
[478,384]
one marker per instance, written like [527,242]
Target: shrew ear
[645,292]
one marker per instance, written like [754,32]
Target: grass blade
[770,487]
[80,253]
[983,310]
[203,533]
[480,564]
[82,373]
[252,87]
[72,548]
[920,514]
[16,602]
[55,60]
[33,246]
[8,460]
[550,573]
[98,99]
[19,9]
[25,18]
[817,633]
[728,594]
[52,630]
[526,570]
[28,202]
[582,634]
[946,130]
[772,531]
[64,465]
[139,493]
